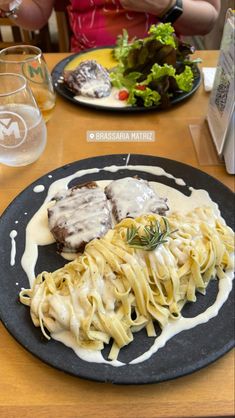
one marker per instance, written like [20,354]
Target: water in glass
[23,132]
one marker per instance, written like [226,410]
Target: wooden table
[30,388]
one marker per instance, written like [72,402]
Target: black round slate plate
[63,91]
[183,354]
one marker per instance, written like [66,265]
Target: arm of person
[198,18]
[32,14]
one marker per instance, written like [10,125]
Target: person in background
[97,23]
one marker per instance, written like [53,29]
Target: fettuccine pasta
[113,290]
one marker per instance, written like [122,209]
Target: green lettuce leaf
[158,71]
[119,81]
[159,62]
[122,46]
[149,97]
[185,79]
[164,33]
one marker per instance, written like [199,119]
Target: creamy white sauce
[179,202]
[157,171]
[109,101]
[90,356]
[39,188]
[128,159]
[37,233]
[13,235]
[182,324]
[180,182]
[132,197]
[83,213]
[39,221]
[96,86]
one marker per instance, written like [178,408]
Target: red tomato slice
[123,95]
[140,87]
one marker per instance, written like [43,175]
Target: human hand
[156,7]
[4,4]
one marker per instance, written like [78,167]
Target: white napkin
[208,77]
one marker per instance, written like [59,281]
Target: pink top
[97,23]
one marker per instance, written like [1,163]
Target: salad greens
[153,69]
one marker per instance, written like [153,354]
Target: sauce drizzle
[37,233]
[13,235]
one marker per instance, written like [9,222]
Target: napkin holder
[229,147]
[220,114]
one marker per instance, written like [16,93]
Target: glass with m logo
[29,61]
[23,131]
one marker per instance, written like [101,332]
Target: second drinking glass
[23,131]
[29,61]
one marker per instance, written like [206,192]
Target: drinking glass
[29,61]
[22,129]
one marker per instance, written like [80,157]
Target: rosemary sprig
[153,237]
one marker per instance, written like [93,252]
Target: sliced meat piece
[79,215]
[89,79]
[132,197]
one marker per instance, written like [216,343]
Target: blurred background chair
[60,8]
[54,36]
[11,34]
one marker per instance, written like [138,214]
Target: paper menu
[221,103]
[229,147]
